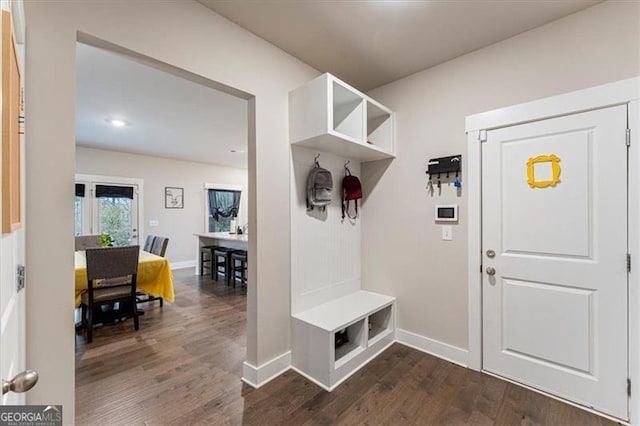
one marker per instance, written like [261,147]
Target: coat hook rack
[315,160]
[347,163]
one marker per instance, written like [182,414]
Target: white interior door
[12,296]
[555,308]
[12,308]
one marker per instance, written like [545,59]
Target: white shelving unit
[369,320]
[328,115]
[331,118]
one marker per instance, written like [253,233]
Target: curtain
[223,203]
[112,191]
[79,189]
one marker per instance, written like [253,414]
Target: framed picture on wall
[173,197]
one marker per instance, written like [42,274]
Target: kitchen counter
[224,239]
[223,236]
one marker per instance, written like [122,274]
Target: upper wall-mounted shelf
[329,115]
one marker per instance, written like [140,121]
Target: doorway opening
[161,155]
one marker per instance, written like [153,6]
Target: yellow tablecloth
[154,276]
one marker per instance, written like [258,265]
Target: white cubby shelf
[328,115]
[369,320]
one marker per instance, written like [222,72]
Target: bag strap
[345,209]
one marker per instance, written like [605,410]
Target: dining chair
[148,244]
[111,277]
[84,242]
[160,246]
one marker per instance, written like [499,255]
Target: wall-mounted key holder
[444,168]
[444,165]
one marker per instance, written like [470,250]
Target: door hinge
[482,136]
[19,278]
[481,268]
[628,262]
[628,137]
[629,387]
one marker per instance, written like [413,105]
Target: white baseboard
[311,379]
[183,265]
[263,374]
[351,373]
[433,347]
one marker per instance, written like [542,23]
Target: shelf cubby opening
[354,345]
[380,322]
[348,112]
[379,127]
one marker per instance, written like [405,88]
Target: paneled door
[12,242]
[554,237]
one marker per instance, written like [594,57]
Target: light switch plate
[153,223]
[447,232]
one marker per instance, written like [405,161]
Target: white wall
[176,224]
[325,250]
[188,36]
[403,254]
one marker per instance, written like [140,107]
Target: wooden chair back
[148,244]
[84,242]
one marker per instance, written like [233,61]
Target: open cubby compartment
[380,324]
[356,343]
[379,126]
[348,112]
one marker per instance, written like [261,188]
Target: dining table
[154,276]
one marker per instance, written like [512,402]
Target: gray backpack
[319,188]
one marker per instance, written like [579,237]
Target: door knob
[490,271]
[22,382]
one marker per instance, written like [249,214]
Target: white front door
[12,310]
[555,291]
[12,292]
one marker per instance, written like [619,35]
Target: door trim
[616,93]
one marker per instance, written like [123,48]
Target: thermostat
[446,213]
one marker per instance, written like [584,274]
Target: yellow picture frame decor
[555,171]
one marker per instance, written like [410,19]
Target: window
[79,209]
[108,205]
[115,213]
[223,207]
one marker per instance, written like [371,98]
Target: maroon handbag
[351,190]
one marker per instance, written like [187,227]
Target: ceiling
[369,43]
[167,116]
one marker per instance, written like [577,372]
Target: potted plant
[106,240]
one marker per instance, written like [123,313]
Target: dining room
[161,225]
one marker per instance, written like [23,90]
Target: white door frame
[617,93]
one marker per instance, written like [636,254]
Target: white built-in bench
[369,319]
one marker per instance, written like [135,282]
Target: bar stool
[222,259]
[203,260]
[239,256]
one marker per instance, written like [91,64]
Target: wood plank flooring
[184,365]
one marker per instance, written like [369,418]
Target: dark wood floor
[184,365]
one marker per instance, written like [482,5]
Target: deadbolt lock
[491,254]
